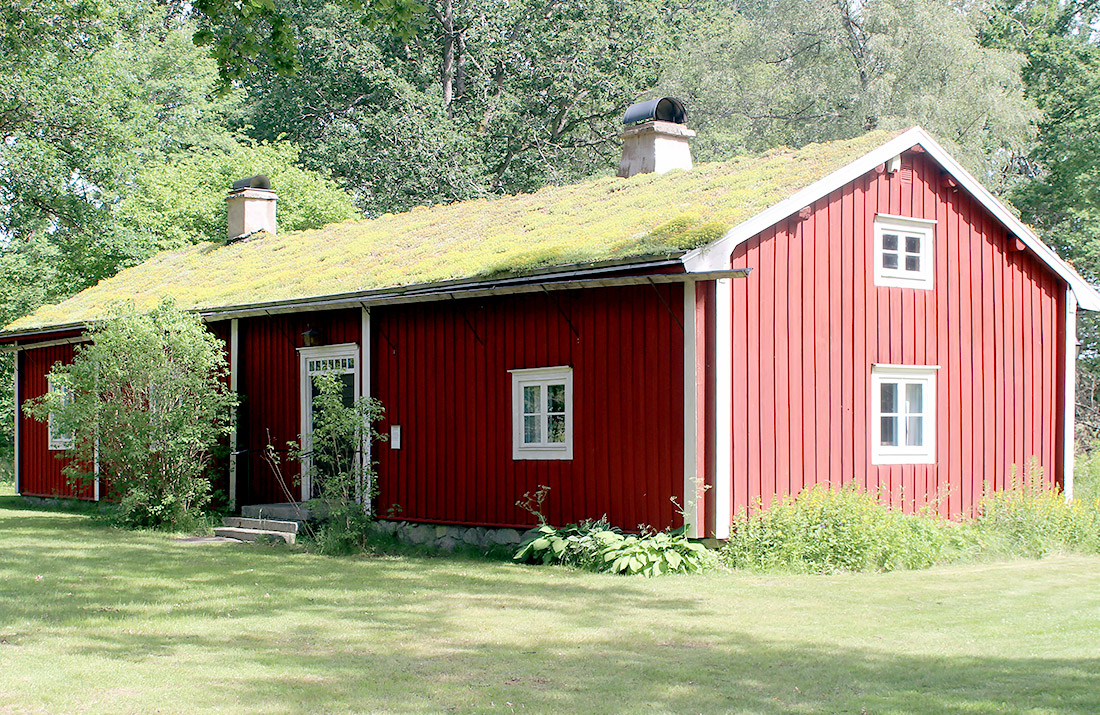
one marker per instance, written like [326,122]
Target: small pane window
[889,430]
[543,413]
[889,398]
[903,252]
[532,429]
[58,440]
[531,399]
[903,419]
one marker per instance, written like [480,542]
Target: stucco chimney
[250,206]
[655,139]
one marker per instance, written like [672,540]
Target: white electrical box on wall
[395,436]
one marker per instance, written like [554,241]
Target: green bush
[825,530]
[148,399]
[597,546]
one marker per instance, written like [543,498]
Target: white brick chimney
[250,206]
[655,139]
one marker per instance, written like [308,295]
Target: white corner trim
[693,501]
[560,374]
[15,393]
[723,418]
[716,254]
[95,469]
[1069,418]
[364,382]
[234,347]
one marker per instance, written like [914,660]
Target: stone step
[243,522]
[283,512]
[232,532]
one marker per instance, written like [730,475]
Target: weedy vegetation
[824,530]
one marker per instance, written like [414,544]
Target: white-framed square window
[542,413]
[903,414]
[904,252]
[58,441]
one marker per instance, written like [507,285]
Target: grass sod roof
[598,220]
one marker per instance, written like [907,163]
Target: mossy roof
[598,220]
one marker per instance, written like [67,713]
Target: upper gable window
[904,250]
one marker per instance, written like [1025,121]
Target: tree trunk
[446,19]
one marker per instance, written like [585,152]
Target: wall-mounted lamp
[311,338]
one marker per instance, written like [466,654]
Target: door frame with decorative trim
[341,359]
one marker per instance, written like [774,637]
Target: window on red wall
[904,252]
[542,413]
[903,414]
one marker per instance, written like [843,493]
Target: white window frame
[341,359]
[559,375]
[924,375]
[58,442]
[903,226]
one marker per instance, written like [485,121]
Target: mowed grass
[98,620]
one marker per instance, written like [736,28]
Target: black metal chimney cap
[259,181]
[665,109]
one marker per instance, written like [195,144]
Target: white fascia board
[694,514]
[234,351]
[17,436]
[716,255]
[1069,396]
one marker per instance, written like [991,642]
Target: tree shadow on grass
[302,634]
[733,674]
[84,569]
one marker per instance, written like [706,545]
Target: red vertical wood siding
[268,382]
[40,469]
[808,323]
[441,372]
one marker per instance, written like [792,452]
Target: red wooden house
[861,310]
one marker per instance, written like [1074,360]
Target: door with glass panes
[323,459]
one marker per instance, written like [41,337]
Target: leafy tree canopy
[770,72]
[469,99]
[181,200]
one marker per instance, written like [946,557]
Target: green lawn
[103,621]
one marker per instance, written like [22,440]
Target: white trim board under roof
[417,293]
[717,254]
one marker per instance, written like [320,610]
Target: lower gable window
[58,440]
[542,413]
[903,414]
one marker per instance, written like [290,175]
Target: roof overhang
[584,276]
[717,254]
